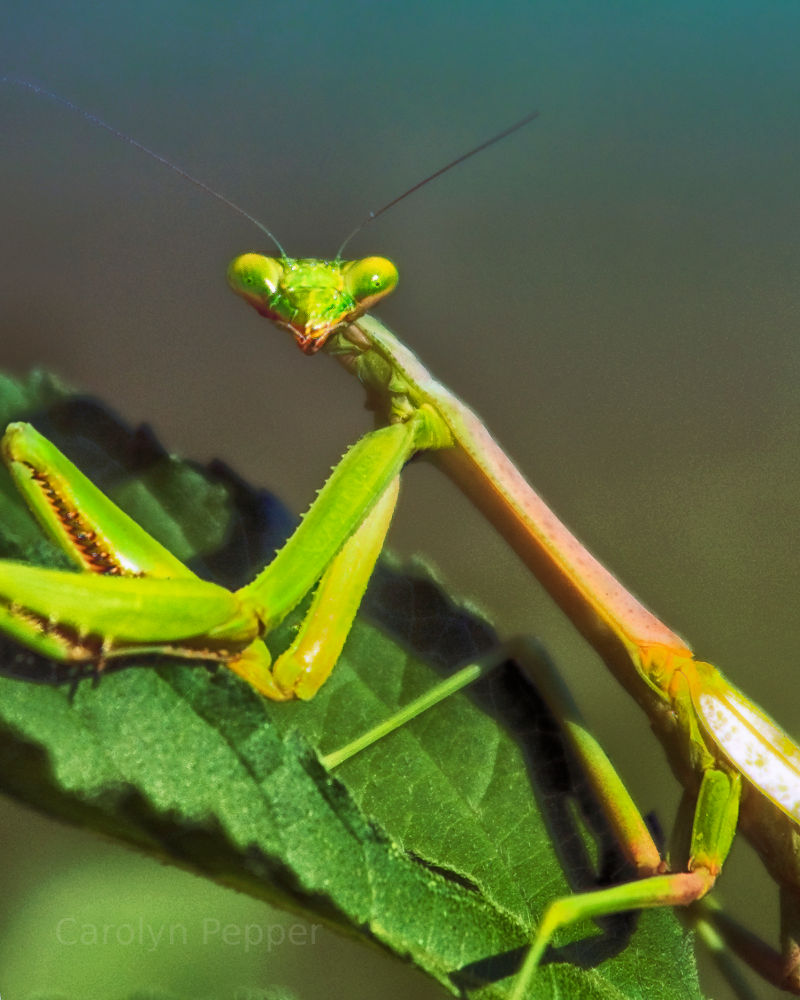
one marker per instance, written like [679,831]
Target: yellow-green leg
[714,824]
[303,668]
[714,821]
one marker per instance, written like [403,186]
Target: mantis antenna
[96,120]
[438,173]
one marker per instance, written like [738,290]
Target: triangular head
[311,298]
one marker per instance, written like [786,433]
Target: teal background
[614,290]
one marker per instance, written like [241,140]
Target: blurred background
[614,290]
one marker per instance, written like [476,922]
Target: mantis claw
[133,597]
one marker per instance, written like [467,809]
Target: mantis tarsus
[736,765]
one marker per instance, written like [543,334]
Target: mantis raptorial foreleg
[132,596]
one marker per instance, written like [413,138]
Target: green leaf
[436,842]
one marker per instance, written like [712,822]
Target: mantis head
[311,298]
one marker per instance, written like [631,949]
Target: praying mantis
[132,596]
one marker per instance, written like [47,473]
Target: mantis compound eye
[370,279]
[254,276]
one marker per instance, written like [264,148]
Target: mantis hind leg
[715,813]
[715,810]
[438,693]
[710,818]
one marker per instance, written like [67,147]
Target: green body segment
[361,477]
[79,518]
[132,594]
[305,666]
[127,610]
